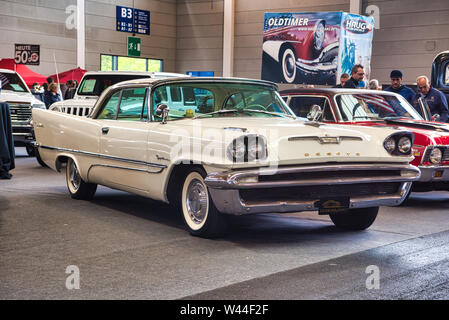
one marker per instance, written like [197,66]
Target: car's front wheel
[200,215]
[355,219]
[78,188]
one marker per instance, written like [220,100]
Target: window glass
[362,107]
[175,93]
[302,105]
[95,84]
[211,99]
[110,109]
[131,104]
[12,82]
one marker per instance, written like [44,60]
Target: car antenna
[57,79]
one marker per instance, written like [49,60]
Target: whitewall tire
[201,217]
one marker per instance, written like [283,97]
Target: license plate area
[332,205]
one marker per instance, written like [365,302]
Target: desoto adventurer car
[231,147]
[382,109]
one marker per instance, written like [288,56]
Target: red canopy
[29,76]
[74,74]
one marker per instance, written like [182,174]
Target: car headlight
[435,156]
[399,144]
[390,145]
[247,148]
[404,145]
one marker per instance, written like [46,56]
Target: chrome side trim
[325,139]
[102,156]
[124,168]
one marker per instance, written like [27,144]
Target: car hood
[426,132]
[292,141]
[12,96]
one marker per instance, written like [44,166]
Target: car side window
[132,104]
[110,108]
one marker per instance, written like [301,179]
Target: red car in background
[381,108]
[308,49]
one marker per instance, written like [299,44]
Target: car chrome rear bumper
[267,190]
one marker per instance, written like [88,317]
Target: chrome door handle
[105,130]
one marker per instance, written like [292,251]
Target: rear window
[94,85]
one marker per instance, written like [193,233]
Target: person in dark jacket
[70,93]
[343,78]
[435,99]
[357,74]
[53,95]
[398,87]
[47,94]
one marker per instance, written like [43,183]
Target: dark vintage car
[310,49]
[382,109]
[440,73]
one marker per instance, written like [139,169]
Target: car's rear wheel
[78,188]
[288,65]
[355,219]
[201,217]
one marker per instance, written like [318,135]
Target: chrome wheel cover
[289,65]
[74,176]
[196,201]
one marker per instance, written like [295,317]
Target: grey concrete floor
[129,247]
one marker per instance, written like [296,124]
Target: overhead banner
[311,47]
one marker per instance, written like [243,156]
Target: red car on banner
[380,109]
[310,49]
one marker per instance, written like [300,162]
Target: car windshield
[12,82]
[95,84]
[368,106]
[218,99]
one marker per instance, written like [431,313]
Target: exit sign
[134,47]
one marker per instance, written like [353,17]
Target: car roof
[131,73]
[155,81]
[333,91]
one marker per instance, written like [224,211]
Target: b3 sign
[132,20]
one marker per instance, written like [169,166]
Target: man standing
[397,87]
[343,78]
[357,76]
[435,99]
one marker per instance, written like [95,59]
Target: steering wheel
[355,108]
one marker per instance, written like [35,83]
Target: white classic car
[94,83]
[231,147]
